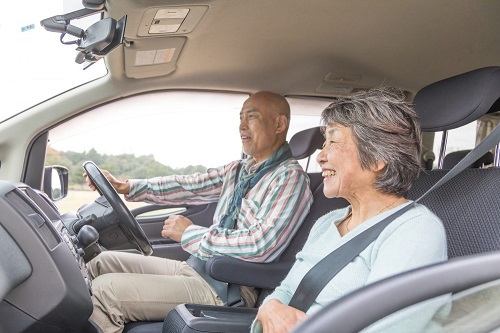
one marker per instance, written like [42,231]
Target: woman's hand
[278,318]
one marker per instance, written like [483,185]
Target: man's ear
[281,123]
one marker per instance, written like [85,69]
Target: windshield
[34,64]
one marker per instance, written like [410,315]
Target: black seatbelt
[320,274]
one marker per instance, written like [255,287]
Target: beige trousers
[130,287]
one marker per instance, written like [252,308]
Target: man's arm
[266,222]
[196,189]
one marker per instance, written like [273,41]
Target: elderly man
[262,201]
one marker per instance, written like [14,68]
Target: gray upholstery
[469,207]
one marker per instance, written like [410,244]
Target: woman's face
[340,164]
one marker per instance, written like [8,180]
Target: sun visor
[458,100]
[152,57]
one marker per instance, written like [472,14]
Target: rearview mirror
[55,182]
[100,39]
[95,42]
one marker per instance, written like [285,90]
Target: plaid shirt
[270,214]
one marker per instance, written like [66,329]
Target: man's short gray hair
[385,128]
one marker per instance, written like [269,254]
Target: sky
[33,62]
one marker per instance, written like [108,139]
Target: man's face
[258,129]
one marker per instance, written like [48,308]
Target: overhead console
[45,286]
[170,20]
[143,56]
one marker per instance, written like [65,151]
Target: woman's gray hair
[385,128]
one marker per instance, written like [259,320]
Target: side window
[146,136]
[465,138]
[462,138]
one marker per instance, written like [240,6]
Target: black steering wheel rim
[125,217]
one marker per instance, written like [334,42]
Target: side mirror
[55,182]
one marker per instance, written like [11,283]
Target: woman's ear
[380,165]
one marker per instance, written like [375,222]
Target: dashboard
[44,282]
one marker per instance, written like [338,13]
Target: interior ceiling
[290,46]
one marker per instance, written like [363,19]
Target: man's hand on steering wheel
[120,186]
[108,186]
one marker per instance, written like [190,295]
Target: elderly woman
[371,157]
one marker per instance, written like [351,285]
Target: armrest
[245,273]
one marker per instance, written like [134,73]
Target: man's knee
[101,264]
[102,288]
[107,313]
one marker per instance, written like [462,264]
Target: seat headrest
[304,143]
[458,100]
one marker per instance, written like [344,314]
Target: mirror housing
[55,182]
[94,43]
[93,4]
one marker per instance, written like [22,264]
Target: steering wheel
[129,224]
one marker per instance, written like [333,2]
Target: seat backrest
[469,207]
